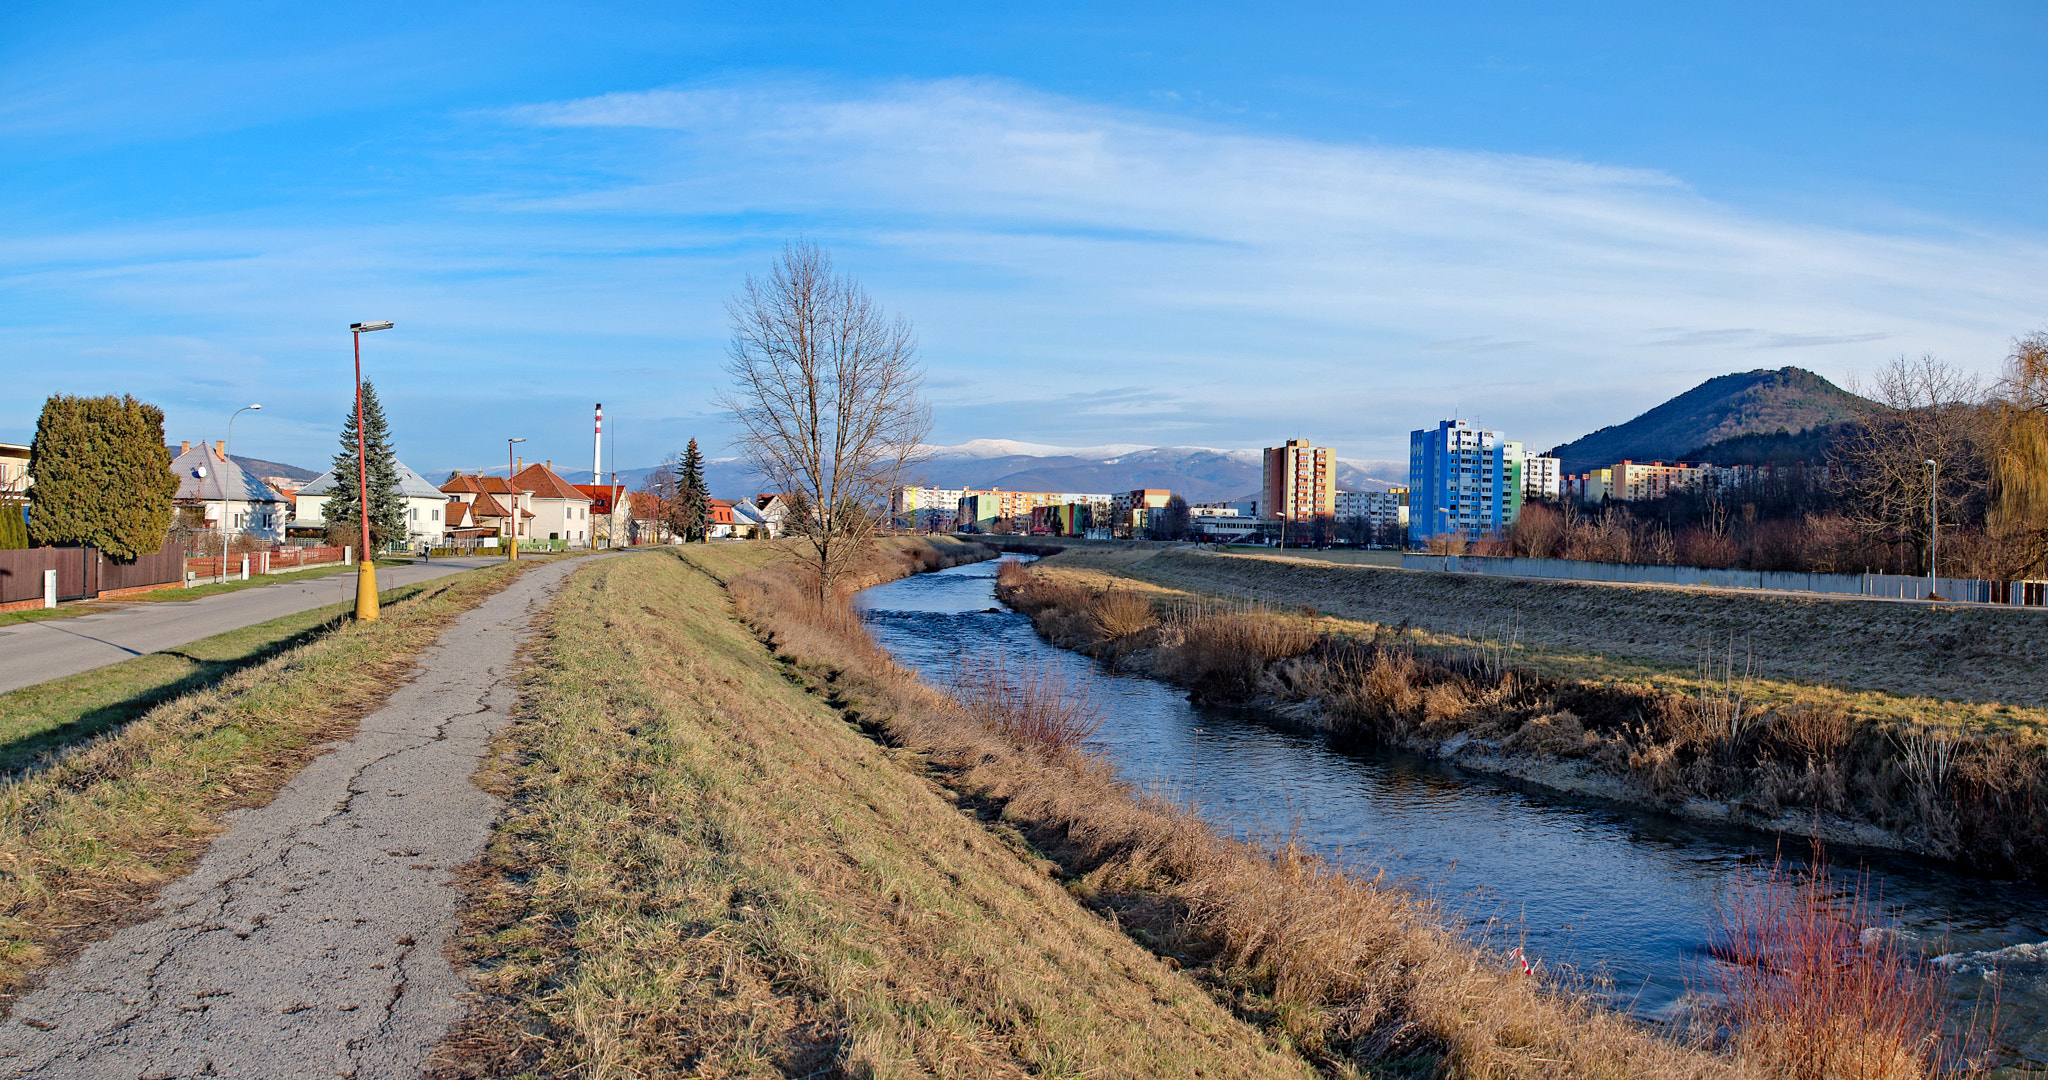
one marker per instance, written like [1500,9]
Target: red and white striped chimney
[597,448]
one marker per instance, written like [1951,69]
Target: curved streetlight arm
[227,448]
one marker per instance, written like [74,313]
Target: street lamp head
[255,406]
[515,440]
[1929,463]
[366,327]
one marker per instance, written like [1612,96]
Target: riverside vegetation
[742,841]
[1800,759]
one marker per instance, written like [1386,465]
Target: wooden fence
[83,573]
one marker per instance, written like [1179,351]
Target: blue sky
[1217,225]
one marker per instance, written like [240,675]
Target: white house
[560,512]
[211,483]
[426,506]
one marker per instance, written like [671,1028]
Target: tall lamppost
[512,492]
[366,568]
[226,463]
[1933,528]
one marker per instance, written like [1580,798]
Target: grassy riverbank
[122,774]
[1381,654]
[741,841]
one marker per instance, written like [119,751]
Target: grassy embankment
[1580,687]
[741,841]
[115,779]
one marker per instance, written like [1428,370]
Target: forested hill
[1720,408]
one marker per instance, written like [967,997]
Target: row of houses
[467,510]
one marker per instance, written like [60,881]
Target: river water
[1617,900]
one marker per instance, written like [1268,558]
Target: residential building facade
[425,506]
[1299,482]
[560,511]
[1542,477]
[1462,480]
[212,484]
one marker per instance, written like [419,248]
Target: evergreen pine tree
[696,507]
[102,475]
[387,507]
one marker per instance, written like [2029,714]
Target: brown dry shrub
[1814,732]
[1119,613]
[1810,992]
[1556,735]
[1445,709]
[1030,705]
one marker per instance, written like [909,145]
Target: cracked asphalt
[310,939]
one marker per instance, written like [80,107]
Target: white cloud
[1283,270]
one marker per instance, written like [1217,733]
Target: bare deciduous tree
[1921,410]
[825,395]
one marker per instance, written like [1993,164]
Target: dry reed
[1814,988]
[1030,705]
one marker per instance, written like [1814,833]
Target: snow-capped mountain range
[1202,474]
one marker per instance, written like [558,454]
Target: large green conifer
[695,502]
[387,506]
[102,475]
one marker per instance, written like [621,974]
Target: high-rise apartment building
[1300,482]
[1542,477]
[1462,479]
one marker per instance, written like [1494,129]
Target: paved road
[309,940]
[37,651]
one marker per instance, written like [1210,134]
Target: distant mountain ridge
[259,467]
[1201,474]
[1721,408]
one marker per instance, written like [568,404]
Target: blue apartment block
[1461,479]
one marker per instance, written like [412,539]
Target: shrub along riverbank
[1719,745]
[743,841]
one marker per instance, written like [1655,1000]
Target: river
[1615,900]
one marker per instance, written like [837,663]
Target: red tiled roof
[478,485]
[602,496]
[544,484]
[646,504]
[485,506]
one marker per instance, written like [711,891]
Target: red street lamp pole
[366,569]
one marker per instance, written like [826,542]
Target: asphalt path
[310,940]
[34,652]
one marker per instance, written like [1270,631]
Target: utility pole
[1933,529]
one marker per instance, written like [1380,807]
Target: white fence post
[347,556]
[245,568]
[49,588]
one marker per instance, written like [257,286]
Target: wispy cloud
[1263,265]
[1053,253]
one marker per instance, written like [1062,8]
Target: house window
[437,515]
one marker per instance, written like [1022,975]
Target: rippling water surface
[1623,899]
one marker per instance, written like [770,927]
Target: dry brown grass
[1359,977]
[707,868]
[87,839]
